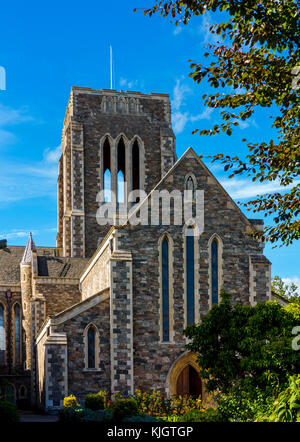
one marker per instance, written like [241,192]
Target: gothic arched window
[121,172]
[214,271]
[106,171]
[17,333]
[2,336]
[91,343]
[190,275]
[135,166]
[165,290]
[190,185]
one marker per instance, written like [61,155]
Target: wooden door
[189,382]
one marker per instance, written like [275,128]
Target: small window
[165,290]
[91,347]
[17,333]
[121,172]
[214,272]
[190,275]
[106,171]
[135,166]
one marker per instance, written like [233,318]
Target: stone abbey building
[106,307]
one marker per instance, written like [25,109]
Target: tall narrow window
[17,333]
[165,291]
[106,171]
[190,275]
[121,172]
[135,166]
[214,272]
[2,336]
[190,186]
[91,347]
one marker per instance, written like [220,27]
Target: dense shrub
[244,347]
[94,401]
[209,415]
[242,407]
[124,408]
[8,412]
[79,414]
[156,404]
[70,401]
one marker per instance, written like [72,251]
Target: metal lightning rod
[111,74]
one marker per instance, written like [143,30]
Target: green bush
[8,412]
[243,407]
[156,404]
[124,408]
[94,401]
[210,415]
[79,414]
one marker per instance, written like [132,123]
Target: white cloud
[6,137]
[208,37]
[14,233]
[128,84]
[179,121]
[243,189]
[181,117]
[30,180]
[52,156]
[179,93]
[205,115]
[178,30]
[295,280]
[10,116]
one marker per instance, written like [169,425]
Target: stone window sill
[92,370]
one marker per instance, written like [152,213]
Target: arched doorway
[189,382]
[183,377]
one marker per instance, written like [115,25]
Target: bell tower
[111,141]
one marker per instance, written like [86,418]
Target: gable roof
[10,258]
[60,267]
[190,151]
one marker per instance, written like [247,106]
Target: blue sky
[46,48]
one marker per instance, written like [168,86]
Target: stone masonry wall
[121,325]
[58,296]
[98,277]
[80,380]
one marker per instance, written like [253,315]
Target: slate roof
[58,267]
[10,258]
[48,264]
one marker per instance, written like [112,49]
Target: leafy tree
[259,63]
[246,348]
[287,291]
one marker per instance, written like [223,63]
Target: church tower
[114,142]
